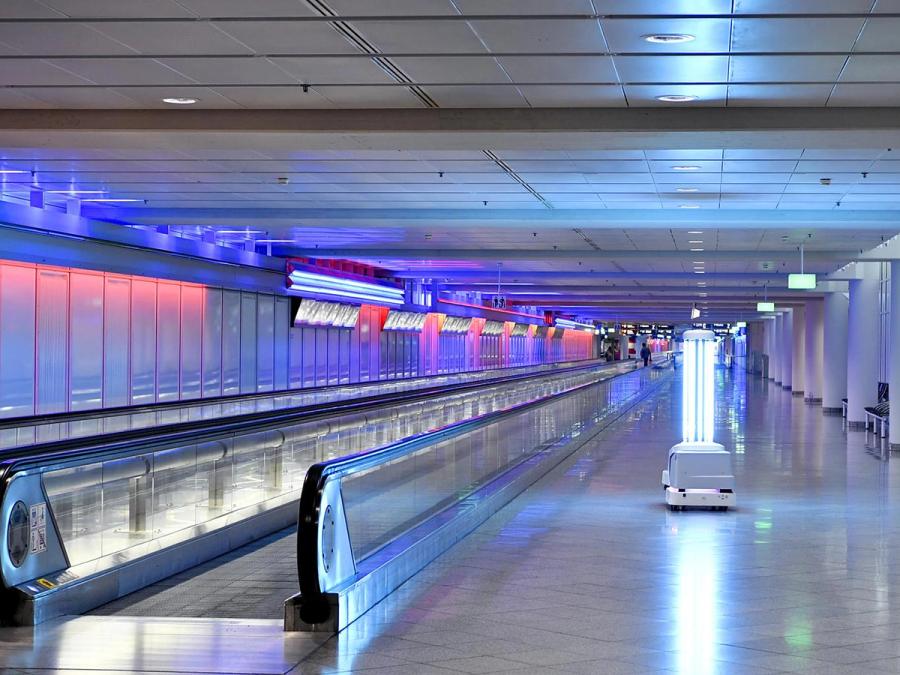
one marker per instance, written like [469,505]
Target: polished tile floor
[587,572]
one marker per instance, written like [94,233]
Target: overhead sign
[765,306]
[801,282]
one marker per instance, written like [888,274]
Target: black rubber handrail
[314,608]
[114,411]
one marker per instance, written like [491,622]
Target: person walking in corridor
[645,354]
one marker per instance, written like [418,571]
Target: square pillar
[862,344]
[775,361]
[834,375]
[787,348]
[798,353]
[894,356]
[814,352]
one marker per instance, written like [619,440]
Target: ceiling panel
[418,37]
[672,68]
[626,35]
[795,35]
[565,96]
[461,70]
[779,95]
[559,69]
[541,36]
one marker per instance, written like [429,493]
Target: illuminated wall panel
[17,359]
[231,342]
[85,339]
[116,320]
[51,387]
[211,357]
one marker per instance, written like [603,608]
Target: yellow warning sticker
[46,583]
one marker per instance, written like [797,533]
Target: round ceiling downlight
[668,38]
[676,98]
[180,100]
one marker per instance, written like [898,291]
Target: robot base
[718,500]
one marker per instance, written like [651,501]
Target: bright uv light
[697,389]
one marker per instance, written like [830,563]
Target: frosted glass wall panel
[320,358]
[143,342]
[212,341]
[282,328]
[17,307]
[334,354]
[231,342]
[191,340]
[85,341]
[248,343]
[52,350]
[116,328]
[265,342]
[168,341]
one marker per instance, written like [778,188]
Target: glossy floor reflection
[589,573]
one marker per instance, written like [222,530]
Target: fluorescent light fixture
[741,324]
[695,241]
[239,232]
[668,38]
[338,287]
[687,189]
[695,231]
[180,100]
[568,323]
[765,306]
[685,167]
[10,171]
[676,98]
[688,206]
[801,282]
[696,250]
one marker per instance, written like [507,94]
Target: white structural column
[775,354]
[894,356]
[623,347]
[786,348]
[834,376]
[815,334]
[798,358]
[862,344]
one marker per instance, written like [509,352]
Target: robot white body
[698,471]
[699,474]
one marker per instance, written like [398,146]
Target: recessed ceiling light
[676,98]
[695,231]
[667,38]
[694,250]
[688,206]
[699,272]
[684,189]
[180,100]
[685,167]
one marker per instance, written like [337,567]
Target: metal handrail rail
[114,446]
[113,411]
[315,608]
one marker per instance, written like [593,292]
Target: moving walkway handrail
[114,411]
[132,442]
[315,607]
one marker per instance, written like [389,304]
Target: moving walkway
[91,518]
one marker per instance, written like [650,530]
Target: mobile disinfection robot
[699,471]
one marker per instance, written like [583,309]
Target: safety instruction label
[37,519]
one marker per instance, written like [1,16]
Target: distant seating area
[878,414]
